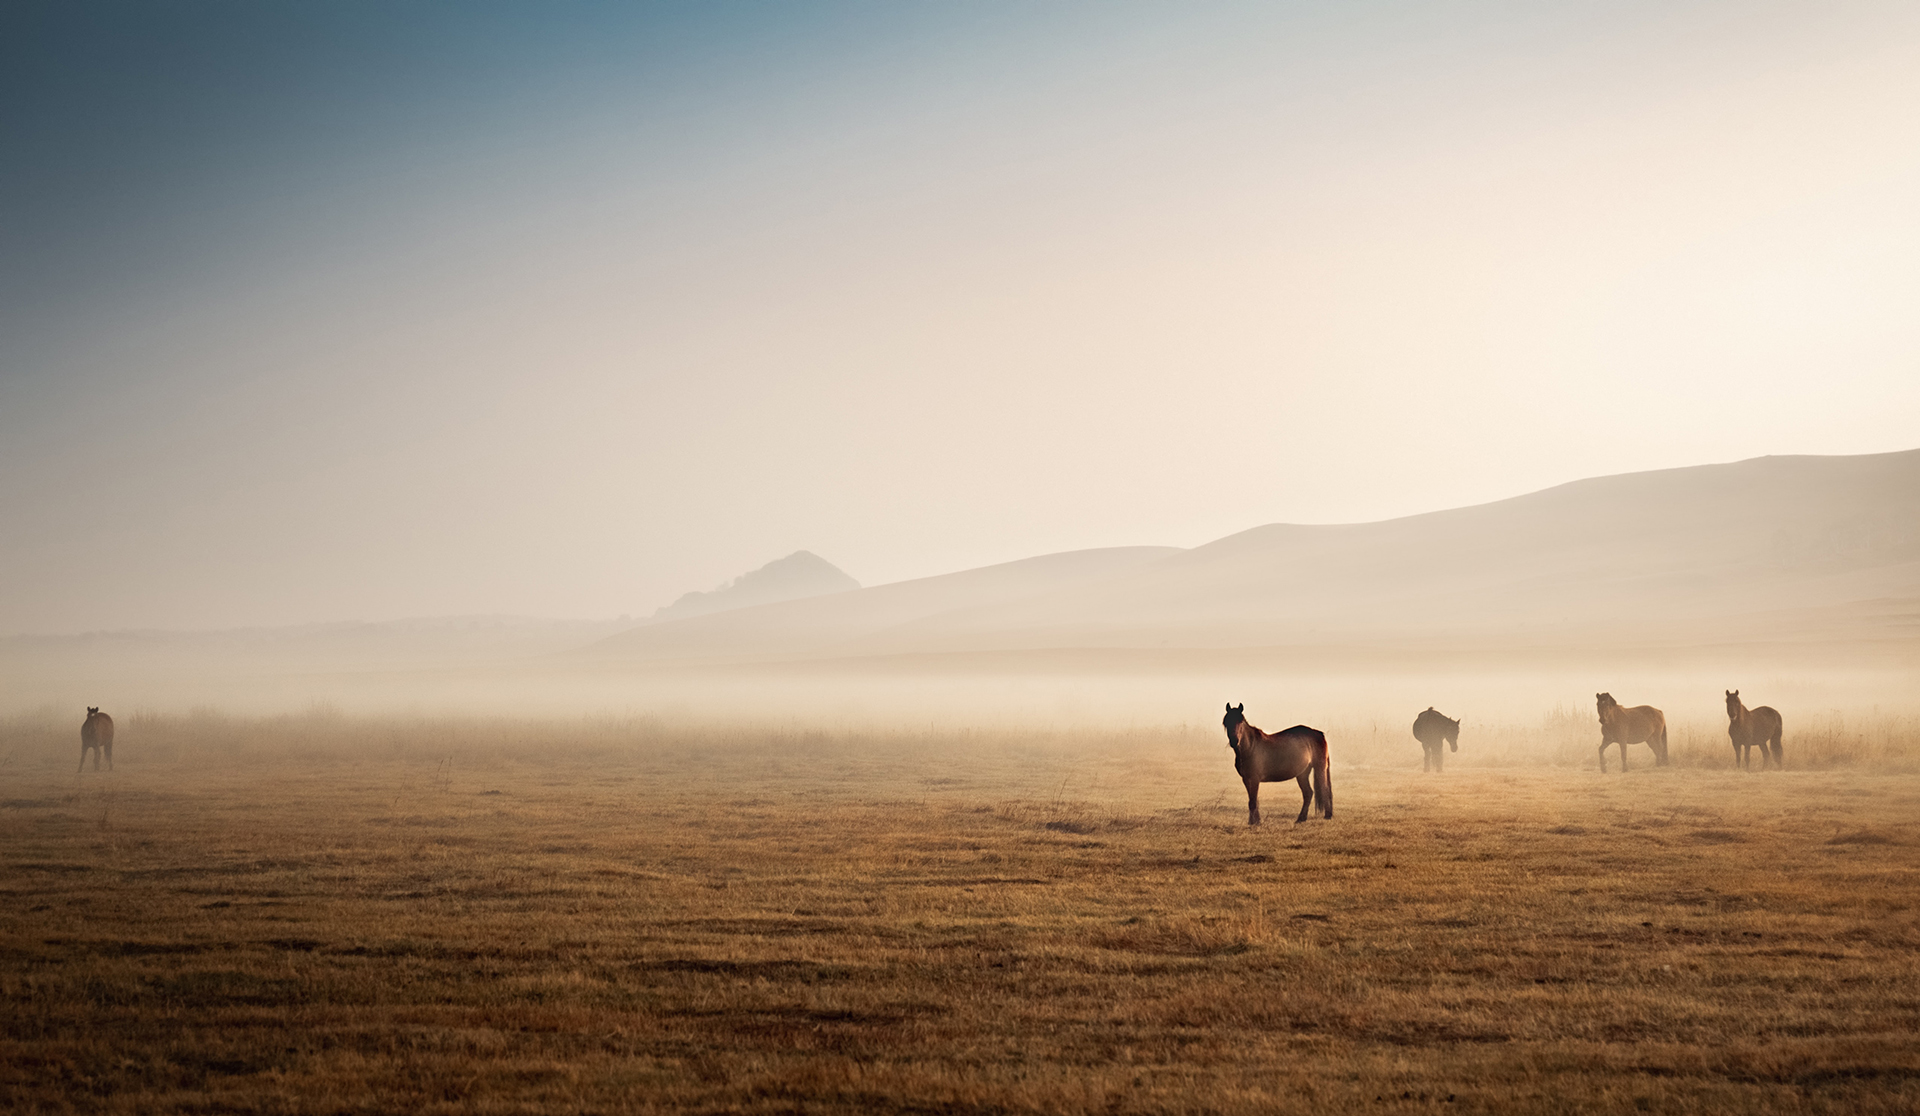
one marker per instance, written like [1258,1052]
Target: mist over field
[693,558]
[1797,578]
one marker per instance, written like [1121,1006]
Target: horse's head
[1232,722]
[92,710]
[1733,703]
[1605,702]
[1453,731]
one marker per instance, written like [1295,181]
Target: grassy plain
[324,914]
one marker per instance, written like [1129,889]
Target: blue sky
[334,311]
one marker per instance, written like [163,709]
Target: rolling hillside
[1773,549]
[846,621]
[1810,563]
[800,574]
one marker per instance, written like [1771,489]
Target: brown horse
[1753,728]
[1642,724]
[1297,753]
[1431,729]
[96,736]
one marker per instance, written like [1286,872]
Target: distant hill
[1775,549]
[798,575]
[844,620]
[1809,560]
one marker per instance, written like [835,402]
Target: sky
[314,312]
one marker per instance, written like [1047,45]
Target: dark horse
[1431,729]
[1297,753]
[96,736]
[1753,728]
[1642,724]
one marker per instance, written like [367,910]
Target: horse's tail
[1322,776]
[1662,739]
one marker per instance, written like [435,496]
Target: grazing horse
[96,736]
[1753,728]
[1297,753]
[1430,729]
[1642,724]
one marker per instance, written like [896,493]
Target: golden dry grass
[322,914]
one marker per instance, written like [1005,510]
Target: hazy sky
[359,311]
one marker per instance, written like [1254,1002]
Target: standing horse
[1753,728]
[1431,729]
[96,736]
[1642,724]
[1297,753]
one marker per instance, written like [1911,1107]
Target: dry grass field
[322,914]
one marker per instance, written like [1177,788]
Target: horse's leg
[109,751]
[1306,797]
[1439,756]
[1603,755]
[83,760]
[1779,752]
[1253,802]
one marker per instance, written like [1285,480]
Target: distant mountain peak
[800,574]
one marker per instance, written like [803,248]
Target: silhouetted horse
[1294,754]
[1431,729]
[1642,724]
[1753,728]
[96,736]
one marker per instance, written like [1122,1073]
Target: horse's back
[1289,753]
[1635,724]
[1430,727]
[1768,718]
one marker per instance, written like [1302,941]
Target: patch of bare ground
[784,928]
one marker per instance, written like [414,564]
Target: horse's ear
[1229,707]
[1242,709]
